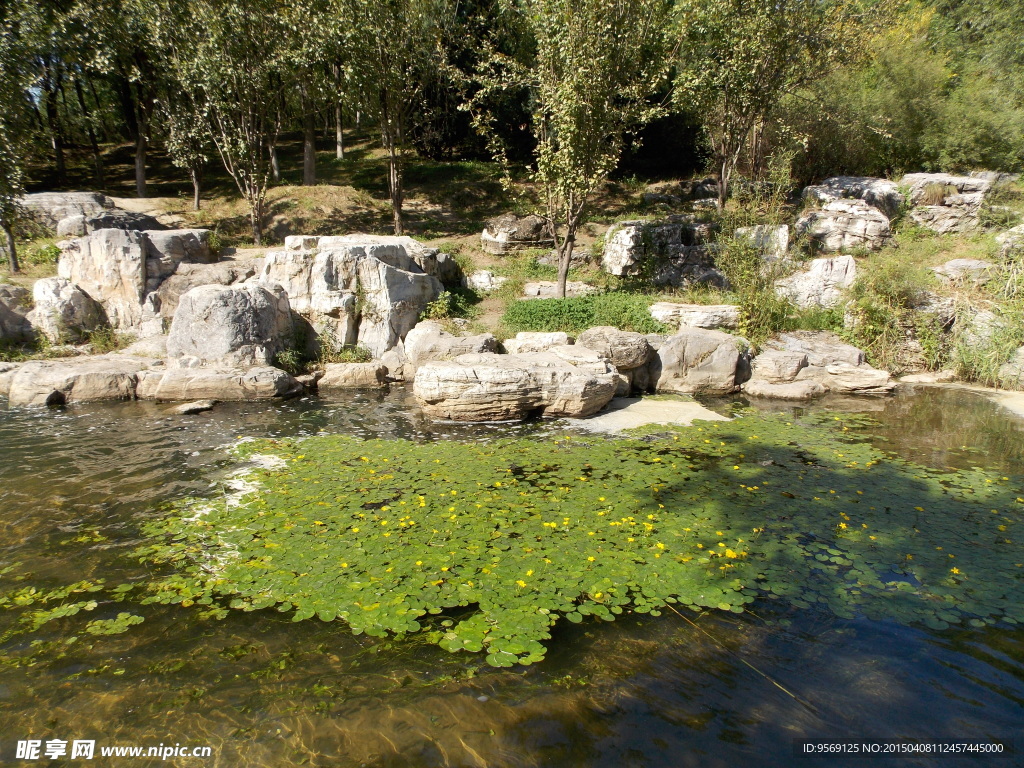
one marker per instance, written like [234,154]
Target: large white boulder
[623,349]
[353,376]
[528,341]
[50,207]
[821,283]
[945,203]
[75,379]
[258,383]
[63,312]
[510,232]
[770,240]
[696,315]
[428,341]
[490,387]
[843,225]
[974,271]
[1011,242]
[676,249]
[883,194]
[15,303]
[230,326]
[697,360]
[355,289]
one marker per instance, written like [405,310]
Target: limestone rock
[771,241]
[353,376]
[946,203]
[945,219]
[924,187]
[697,360]
[110,266]
[545,289]
[527,341]
[7,372]
[844,378]
[843,225]
[427,341]
[966,271]
[361,289]
[821,284]
[582,357]
[777,367]
[159,305]
[790,390]
[63,312]
[1011,373]
[484,281]
[1011,242]
[259,383]
[230,326]
[883,194]
[679,245]
[50,207]
[821,347]
[929,377]
[15,303]
[624,349]
[489,387]
[191,409]
[510,232]
[166,250]
[696,315]
[75,379]
[395,361]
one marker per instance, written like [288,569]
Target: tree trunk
[197,182]
[339,139]
[140,162]
[723,182]
[256,219]
[12,252]
[97,159]
[565,255]
[308,141]
[395,186]
[53,123]
[275,166]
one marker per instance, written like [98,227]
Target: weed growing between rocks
[626,311]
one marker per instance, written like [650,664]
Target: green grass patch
[626,311]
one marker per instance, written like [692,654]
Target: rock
[63,312]
[624,349]
[310,380]
[159,306]
[777,367]
[427,342]
[260,383]
[771,241]
[883,194]
[583,358]
[113,218]
[395,361]
[821,347]
[484,281]
[623,384]
[844,378]
[510,232]
[1011,242]
[49,208]
[545,289]
[71,226]
[821,284]
[945,203]
[967,270]
[353,376]
[696,315]
[110,266]
[980,325]
[697,360]
[489,387]
[15,304]
[190,409]
[677,244]
[578,258]
[166,250]
[150,346]
[7,372]
[351,290]
[526,341]
[845,225]
[230,326]
[930,377]
[75,379]
[1011,373]
[995,177]
[791,390]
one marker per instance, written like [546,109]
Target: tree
[188,137]
[738,58]
[227,54]
[14,119]
[392,41]
[595,65]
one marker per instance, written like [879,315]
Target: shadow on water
[704,690]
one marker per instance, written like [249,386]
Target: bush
[457,303]
[626,311]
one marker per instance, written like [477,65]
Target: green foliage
[353,353]
[626,311]
[104,340]
[41,253]
[450,304]
[485,546]
[291,360]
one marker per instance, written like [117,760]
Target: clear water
[715,690]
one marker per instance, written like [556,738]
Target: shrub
[457,303]
[626,311]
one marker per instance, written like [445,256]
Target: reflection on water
[643,691]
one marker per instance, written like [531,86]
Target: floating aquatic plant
[499,540]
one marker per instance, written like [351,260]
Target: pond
[83,489]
